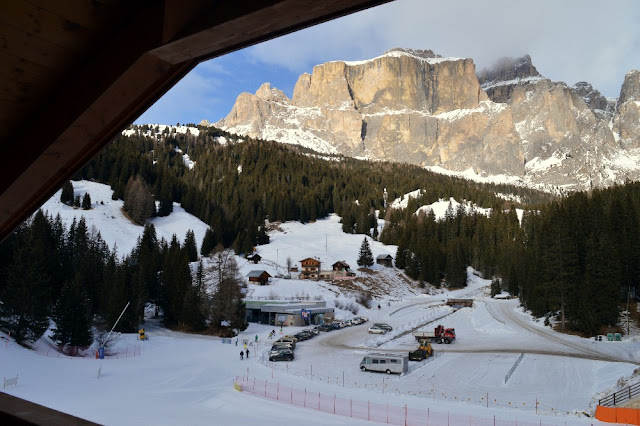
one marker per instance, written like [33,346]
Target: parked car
[377,330]
[288,339]
[283,355]
[282,345]
[278,350]
[301,336]
[315,331]
[382,325]
[325,327]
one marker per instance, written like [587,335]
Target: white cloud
[571,40]
[192,99]
[568,40]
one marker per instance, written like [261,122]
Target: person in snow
[247,353]
[256,338]
[236,341]
[241,355]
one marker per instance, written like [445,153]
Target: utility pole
[628,311]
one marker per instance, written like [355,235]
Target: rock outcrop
[415,106]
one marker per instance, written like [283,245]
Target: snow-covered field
[175,378]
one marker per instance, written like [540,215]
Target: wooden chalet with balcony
[310,269]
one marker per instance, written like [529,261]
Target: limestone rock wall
[417,107]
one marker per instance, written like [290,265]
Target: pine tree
[72,315]
[365,258]
[176,284]
[401,257]
[146,258]
[190,246]
[86,201]
[26,293]
[496,288]
[166,199]
[208,242]
[456,269]
[66,196]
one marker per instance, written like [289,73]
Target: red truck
[438,335]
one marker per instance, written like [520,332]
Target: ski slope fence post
[515,365]
[382,412]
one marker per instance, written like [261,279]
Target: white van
[387,363]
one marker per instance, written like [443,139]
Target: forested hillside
[575,258]
[235,186]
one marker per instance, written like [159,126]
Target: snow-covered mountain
[504,124]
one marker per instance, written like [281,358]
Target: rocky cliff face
[417,107]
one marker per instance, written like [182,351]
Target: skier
[236,341]
[241,355]
[247,353]
[256,338]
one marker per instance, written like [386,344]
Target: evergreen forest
[573,258]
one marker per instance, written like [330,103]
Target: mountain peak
[507,69]
[420,53]
[630,88]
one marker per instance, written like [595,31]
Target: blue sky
[568,40]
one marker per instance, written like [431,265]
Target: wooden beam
[147,80]
[144,55]
[223,29]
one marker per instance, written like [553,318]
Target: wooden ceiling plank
[15,41]
[89,79]
[95,15]
[140,86]
[97,100]
[40,23]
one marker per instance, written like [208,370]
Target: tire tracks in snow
[583,352]
[505,316]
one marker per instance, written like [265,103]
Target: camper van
[386,363]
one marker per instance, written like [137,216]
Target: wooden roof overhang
[74,73]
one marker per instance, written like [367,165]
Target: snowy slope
[175,378]
[440,207]
[116,230]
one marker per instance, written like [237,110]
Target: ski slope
[177,378]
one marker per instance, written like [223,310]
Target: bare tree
[138,201]
[226,286]
[288,264]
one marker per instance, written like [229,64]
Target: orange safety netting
[630,416]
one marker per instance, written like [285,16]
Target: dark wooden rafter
[77,72]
